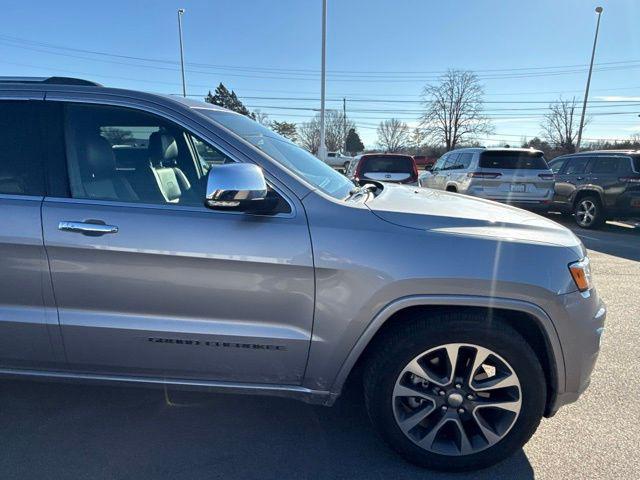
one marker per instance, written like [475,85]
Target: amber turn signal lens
[581,273]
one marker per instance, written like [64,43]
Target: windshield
[287,154]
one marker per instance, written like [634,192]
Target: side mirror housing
[236,186]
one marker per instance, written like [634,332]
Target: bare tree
[416,140]
[560,124]
[261,117]
[309,132]
[454,109]
[309,136]
[393,135]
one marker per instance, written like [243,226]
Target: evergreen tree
[227,99]
[354,144]
[221,97]
[286,129]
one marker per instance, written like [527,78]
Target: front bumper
[579,320]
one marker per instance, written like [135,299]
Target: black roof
[602,152]
[50,81]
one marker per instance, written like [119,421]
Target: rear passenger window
[21,165]
[465,160]
[576,165]
[605,165]
[126,155]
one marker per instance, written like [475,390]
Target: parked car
[422,178]
[268,272]
[596,186]
[338,160]
[424,162]
[516,176]
[385,167]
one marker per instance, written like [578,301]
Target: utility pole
[586,92]
[344,125]
[322,149]
[184,85]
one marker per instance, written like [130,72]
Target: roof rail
[50,81]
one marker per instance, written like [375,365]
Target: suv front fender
[545,323]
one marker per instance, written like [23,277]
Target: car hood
[445,212]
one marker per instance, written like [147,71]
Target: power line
[373,110]
[75,72]
[373,100]
[297,70]
[337,76]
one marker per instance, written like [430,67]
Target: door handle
[87,228]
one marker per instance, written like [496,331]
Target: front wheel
[455,392]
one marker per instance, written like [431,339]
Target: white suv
[517,176]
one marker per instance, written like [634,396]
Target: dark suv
[597,186]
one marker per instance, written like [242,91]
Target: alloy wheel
[457,399]
[586,212]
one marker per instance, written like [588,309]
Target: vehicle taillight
[414,174]
[358,171]
[484,174]
[629,179]
[547,176]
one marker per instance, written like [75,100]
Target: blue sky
[380,54]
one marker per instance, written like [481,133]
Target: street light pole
[322,149]
[184,86]
[344,125]
[586,92]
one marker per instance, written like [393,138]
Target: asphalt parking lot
[60,431]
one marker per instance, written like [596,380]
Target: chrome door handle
[87,228]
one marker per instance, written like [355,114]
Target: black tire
[595,216]
[409,339]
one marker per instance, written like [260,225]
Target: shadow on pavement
[57,431]
[611,238]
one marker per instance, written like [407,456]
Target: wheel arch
[526,318]
[587,191]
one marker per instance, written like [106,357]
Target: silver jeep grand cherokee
[516,176]
[155,240]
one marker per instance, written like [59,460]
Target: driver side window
[126,155]
[439,163]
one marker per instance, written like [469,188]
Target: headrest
[163,149]
[101,161]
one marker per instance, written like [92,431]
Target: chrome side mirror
[236,186]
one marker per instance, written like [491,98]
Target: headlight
[581,273]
